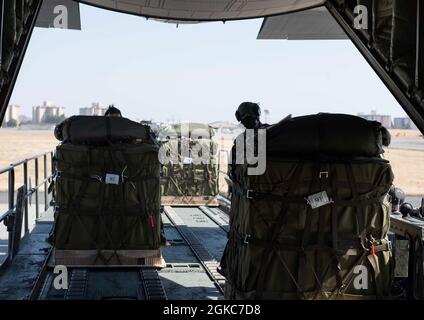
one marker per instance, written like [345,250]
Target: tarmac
[416,144]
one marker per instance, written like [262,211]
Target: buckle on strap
[246,239]
[384,246]
[389,246]
[323,174]
[249,194]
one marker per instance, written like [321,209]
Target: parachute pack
[315,224]
[96,131]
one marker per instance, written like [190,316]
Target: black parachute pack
[326,134]
[99,130]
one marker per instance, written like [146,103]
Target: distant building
[94,110]
[45,112]
[385,120]
[223,124]
[12,113]
[23,119]
[403,123]
[227,127]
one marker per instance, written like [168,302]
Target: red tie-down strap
[152,220]
[372,249]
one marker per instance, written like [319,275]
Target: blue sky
[201,72]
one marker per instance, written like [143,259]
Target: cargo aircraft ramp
[196,238]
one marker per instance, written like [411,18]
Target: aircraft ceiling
[314,24]
[204,10]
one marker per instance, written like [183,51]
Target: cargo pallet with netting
[190,172]
[320,211]
[106,193]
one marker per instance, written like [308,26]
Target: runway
[416,144]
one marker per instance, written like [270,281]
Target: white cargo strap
[246,238]
[96,177]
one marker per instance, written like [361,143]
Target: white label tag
[112,178]
[187,160]
[318,200]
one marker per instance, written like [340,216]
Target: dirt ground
[15,145]
[405,133]
[408,167]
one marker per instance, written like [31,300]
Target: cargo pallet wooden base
[185,201]
[107,258]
